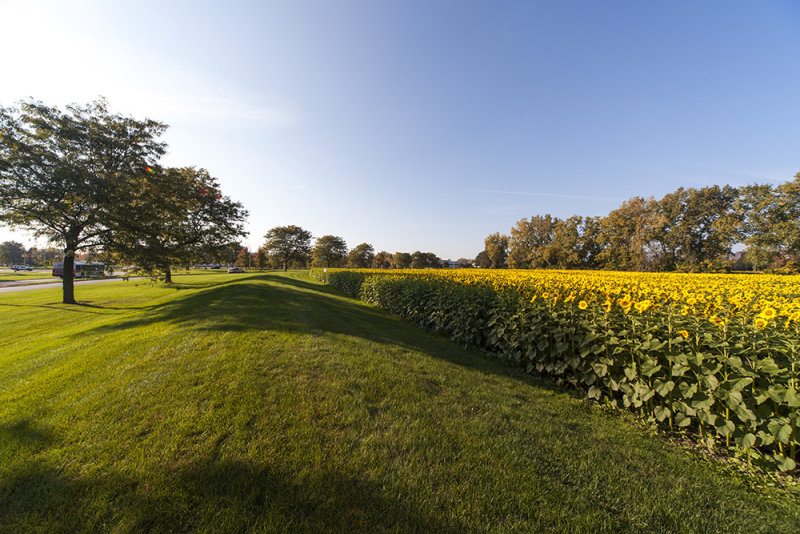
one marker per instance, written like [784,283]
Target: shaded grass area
[266,402]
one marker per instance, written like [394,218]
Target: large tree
[528,242]
[243,258]
[709,225]
[626,232]
[497,248]
[287,244]
[402,260]
[361,257]
[11,252]
[384,260]
[425,260]
[771,220]
[62,172]
[329,251]
[176,216]
[482,260]
[261,259]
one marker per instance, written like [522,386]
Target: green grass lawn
[7,275]
[266,402]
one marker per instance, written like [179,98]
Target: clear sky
[427,125]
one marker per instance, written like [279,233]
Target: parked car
[21,268]
[235,270]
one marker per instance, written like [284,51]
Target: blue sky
[427,125]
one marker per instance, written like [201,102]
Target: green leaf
[765,439]
[744,413]
[792,398]
[724,427]
[747,441]
[735,362]
[741,383]
[680,369]
[767,365]
[786,464]
[777,393]
[734,399]
[661,412]
[761,398]
[701,401]
[595,393]
[687,389]
[682,420]
[711,382]
[630,371]
[784,433]
[650,367]
[600,369]
[664,388]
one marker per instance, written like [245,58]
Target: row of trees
[14,253]
[87,179]
[689,229]
[291,246]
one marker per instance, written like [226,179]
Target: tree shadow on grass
[288,304]
[25,434]
[207,496]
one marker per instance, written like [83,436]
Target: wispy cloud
[205,108]
[70,49]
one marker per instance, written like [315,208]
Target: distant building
[449,264]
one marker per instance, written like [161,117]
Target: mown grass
[266,402]
[7,275]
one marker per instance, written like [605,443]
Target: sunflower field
[715,354]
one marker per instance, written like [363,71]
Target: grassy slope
[267,402]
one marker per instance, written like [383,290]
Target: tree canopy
[329,251]
[402,260]
[688,229]
[61,172]
[175,216]
[384,260]
[424,260]
[287,244]
[11,252]
[497,250]
[361,257]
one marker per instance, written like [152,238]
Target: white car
[235,270]
[21,268]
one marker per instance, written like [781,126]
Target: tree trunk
[167,275]
[68,284]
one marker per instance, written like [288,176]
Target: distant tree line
[686,230]
[291,246]
[14,253]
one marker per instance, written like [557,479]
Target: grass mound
[267,402]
